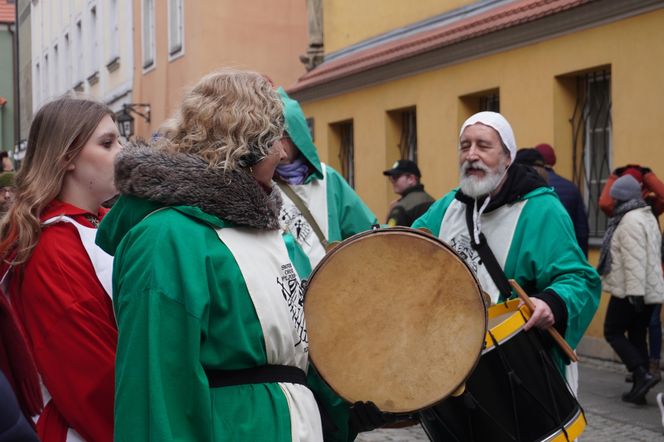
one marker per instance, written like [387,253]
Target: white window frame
[148,49]
[175,29]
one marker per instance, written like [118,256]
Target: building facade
[583,76]
[7,75]
[178,41]
[82,46]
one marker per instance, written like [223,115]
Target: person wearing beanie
[404,175]
[504,213]
[6,191]
[652,192]
[336,212]
[208,295]
[569,195]
[631,272]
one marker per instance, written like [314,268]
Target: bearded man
[506,223]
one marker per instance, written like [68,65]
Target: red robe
[69,322]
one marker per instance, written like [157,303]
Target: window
[79,52]
[45,80]
[37,86]
[114,31]
[591,135]
[147,33]
[488,100]
[342,139]
[94,42]
[175,27]
[56,70]
[67,60]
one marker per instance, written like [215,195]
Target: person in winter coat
[337,212]
[569,195]
[630,265]
[59,281]
[208,296]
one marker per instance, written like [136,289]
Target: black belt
[266,374]
[256,375]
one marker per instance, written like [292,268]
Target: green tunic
[182,305]
[540,251]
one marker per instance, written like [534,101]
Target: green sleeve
[161,387]
[544,254]
[347,213]
[433,217]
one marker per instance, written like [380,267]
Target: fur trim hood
[175,179]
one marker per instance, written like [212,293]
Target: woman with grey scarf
[630,267]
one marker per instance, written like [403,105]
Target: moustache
[477,164]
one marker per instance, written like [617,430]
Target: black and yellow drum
[514,394]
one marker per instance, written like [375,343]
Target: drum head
[394,316]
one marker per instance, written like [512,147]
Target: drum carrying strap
[487,256]
[304,210]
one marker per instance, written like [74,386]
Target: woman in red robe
[58,280]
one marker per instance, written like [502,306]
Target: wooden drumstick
[564,346]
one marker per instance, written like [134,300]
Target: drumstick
[564,346]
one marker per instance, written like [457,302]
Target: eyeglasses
[395,178]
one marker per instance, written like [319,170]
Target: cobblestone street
[609,419]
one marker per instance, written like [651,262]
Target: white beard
[475,186]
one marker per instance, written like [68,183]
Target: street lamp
[126,122]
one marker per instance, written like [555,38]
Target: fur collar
[175,179]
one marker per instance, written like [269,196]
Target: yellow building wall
[346,22]
[535,96]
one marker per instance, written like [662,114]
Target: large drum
[514,394]
[395,317]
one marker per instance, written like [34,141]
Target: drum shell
[506,395]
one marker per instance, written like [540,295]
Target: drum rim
[425,233]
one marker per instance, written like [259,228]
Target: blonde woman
[213,343]
[58,279]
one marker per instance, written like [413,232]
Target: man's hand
[541,317]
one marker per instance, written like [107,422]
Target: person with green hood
[332,210]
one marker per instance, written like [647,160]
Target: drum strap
[304,210]
[488,258]
[256,375]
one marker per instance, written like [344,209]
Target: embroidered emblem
[293,293]
[296,224]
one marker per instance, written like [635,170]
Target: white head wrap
[499,124]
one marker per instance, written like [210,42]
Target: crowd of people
[178,313]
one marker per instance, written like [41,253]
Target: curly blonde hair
[230,118]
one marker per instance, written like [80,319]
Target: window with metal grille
[347,152]
[408,141]
[591,138]
[490,102]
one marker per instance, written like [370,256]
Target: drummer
[508,224]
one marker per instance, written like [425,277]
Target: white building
[82,45]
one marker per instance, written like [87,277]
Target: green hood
[298,130]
